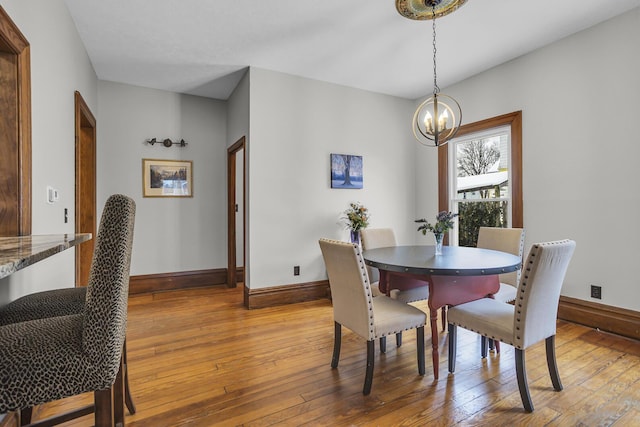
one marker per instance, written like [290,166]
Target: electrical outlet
[296,270]
[596,292]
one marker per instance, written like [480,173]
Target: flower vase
[355,237]
[439,238]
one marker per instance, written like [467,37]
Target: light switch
[52,195]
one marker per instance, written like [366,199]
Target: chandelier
[437,119]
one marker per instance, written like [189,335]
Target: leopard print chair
[51,358]
[54,303]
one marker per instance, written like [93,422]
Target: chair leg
[104,408]
[118,395]
[127,391]
[483,346]
[368,378]
[453,343]
[420,347]
[492,344]
[25,416]
[521,374]
[337,339]
[398,339]
[497,344]
[551,362]
[383,344]
[444,317]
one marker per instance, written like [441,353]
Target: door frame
[232,151]
[15,141]
[85,186]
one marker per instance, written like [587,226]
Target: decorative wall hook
[167,142]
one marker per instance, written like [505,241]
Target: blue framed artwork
[346,171]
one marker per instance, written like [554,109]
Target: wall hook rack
[167,142]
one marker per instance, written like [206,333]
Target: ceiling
[204,47]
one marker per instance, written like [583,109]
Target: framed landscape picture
[167,178]
[346,171]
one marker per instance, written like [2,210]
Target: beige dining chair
[47,359]
[355,307]
[401,288]
[530,320]
[510,240]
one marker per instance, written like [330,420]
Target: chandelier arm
[417,126]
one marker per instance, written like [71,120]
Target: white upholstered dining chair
[402,288]
[510,240]
[530,320]
[373,238]
[355,307]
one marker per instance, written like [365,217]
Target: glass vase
[355,237]
[439,238]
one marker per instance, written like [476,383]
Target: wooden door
[85,213]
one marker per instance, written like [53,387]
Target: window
[480,177]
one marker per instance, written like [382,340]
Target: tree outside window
[481,187]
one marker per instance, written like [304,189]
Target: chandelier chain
[436,89]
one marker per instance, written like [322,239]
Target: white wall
[238,112]
[296,124]
[59,67]
[237,127]
[171,234]
[579,99]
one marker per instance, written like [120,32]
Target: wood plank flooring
[198,358]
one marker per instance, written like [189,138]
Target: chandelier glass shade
[438,118]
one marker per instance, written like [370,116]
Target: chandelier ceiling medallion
[437,119]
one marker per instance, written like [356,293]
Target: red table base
[443,291]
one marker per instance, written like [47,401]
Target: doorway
[85,197]
[236,218]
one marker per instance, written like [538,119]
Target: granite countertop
[17,253]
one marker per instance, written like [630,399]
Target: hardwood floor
[198,358]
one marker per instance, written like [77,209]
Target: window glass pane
[480,190]
[481,165]
[476,214]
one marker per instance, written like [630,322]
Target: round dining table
[458,275]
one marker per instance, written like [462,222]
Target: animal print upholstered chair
[51,358]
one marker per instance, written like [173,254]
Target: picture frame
[346,171]
[167,178]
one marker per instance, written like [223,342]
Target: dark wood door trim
[15,129]
[85,186]
[232,152]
